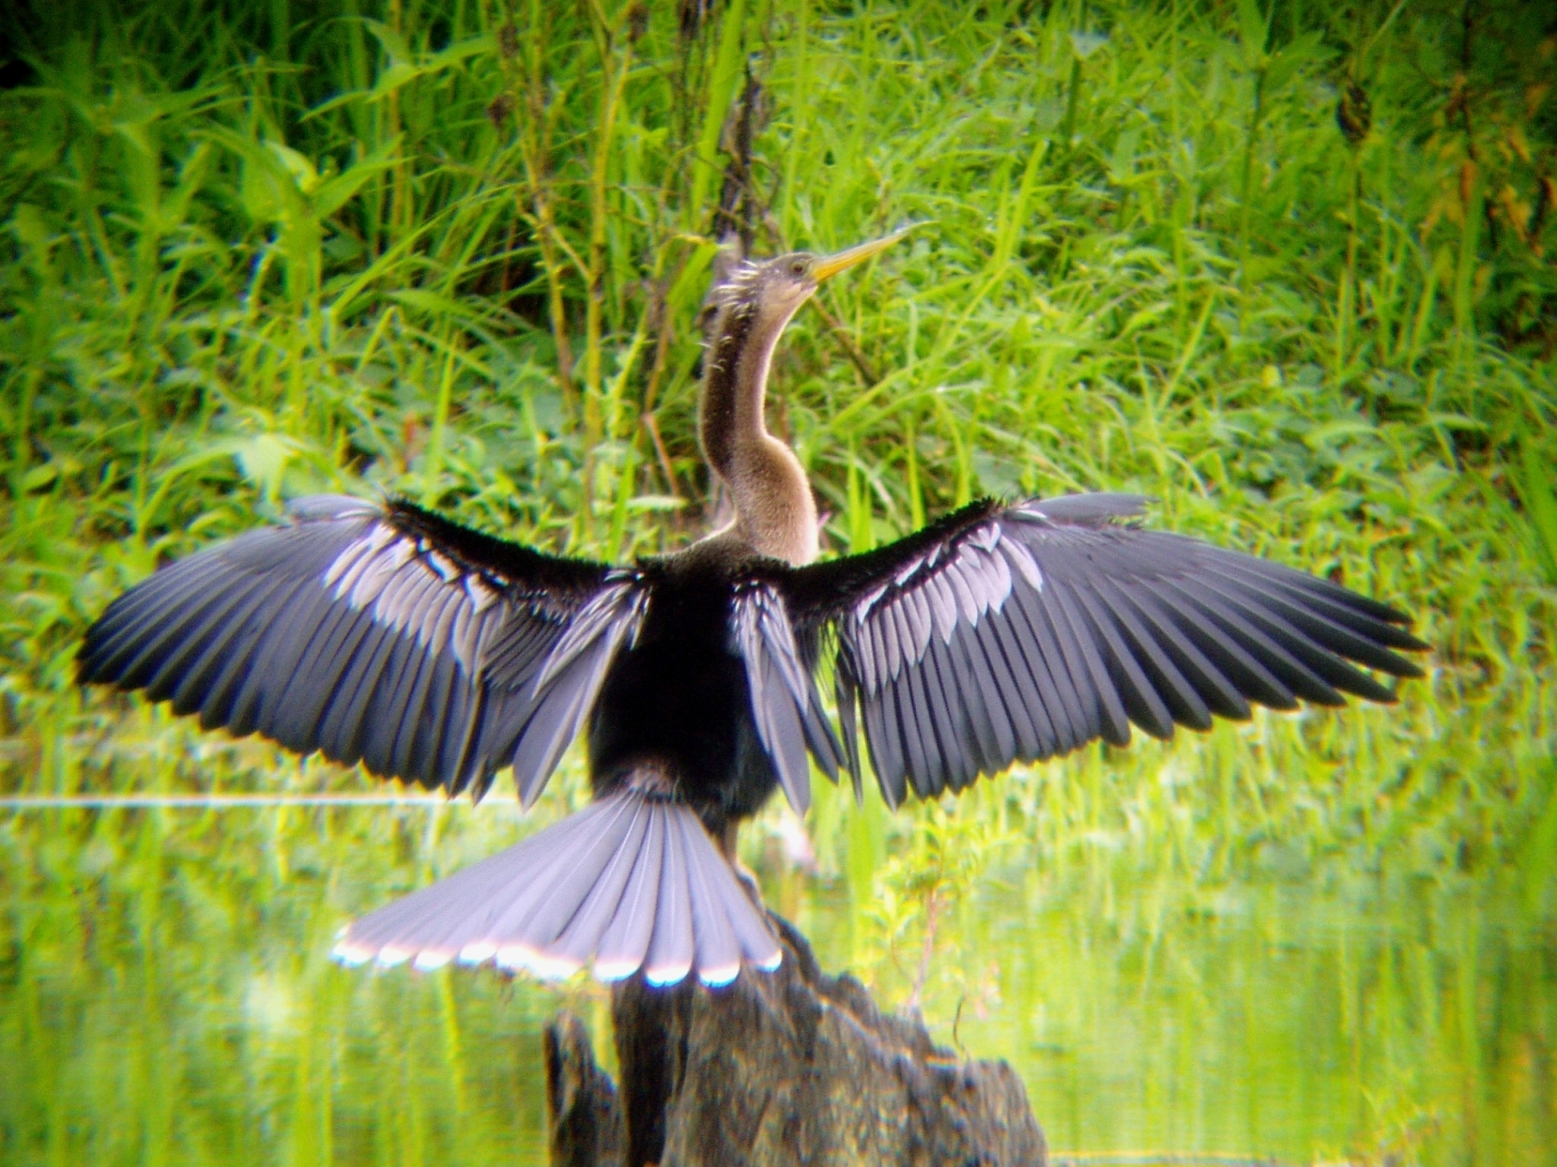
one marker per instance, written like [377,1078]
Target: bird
[378,632]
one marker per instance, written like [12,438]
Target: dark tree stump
[586,1118]
[789,1067]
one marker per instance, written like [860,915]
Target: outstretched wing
[380,634]
[1019,633]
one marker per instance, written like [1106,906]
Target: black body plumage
[386,635]
[678,697]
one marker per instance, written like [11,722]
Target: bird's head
[772,290]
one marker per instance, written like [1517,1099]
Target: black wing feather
[1144,706]
[383,634]
[1018,633]
[1114,726]
[844,688]
[1179,696]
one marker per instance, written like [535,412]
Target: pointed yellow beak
[831,265]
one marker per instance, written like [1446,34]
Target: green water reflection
[165,998]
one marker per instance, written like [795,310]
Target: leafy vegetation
[1284,268]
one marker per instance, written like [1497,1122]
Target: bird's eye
[797,268]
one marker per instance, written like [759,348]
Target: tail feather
[428,924]
[580,940]
[671,948]
[626,938]
[565,883]
[633,882]
[718,954]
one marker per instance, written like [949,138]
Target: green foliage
[458,251]
[1535,489]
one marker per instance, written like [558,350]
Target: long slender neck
[774,511]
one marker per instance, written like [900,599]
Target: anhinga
[386,635]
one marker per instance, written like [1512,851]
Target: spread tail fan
[631,882]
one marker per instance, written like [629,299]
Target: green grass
[250,252]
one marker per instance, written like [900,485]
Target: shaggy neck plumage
[774,511]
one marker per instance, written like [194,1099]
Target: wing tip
[1409,669]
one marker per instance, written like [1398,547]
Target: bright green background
[255,251]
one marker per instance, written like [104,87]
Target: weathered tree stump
[789,1067]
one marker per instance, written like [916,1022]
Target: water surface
[166,997]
